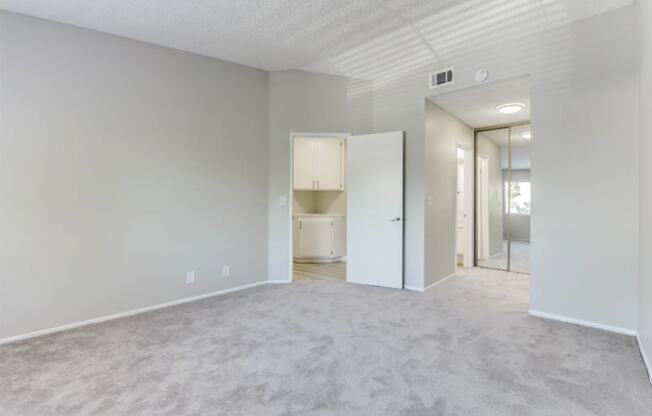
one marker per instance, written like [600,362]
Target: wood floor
[320,271]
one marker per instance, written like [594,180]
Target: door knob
[395,219]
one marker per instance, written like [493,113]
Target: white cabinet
[318,237]
[318,164]
[305,160]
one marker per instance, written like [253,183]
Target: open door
[374,235]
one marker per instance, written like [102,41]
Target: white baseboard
[278,282]
[438,282]
[646,361]
[580,322]
[126,314]
[418,289]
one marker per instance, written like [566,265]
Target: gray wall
[308,102]
[305,102]
[123,166]
[443,134]
[488,149]
[644,12]
[584,170]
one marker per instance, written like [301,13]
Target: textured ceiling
[330,36]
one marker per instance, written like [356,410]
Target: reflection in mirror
[518,193]
[492,150]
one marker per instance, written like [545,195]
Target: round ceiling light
[510,108]
[527,135]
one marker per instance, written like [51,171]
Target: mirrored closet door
[503,198]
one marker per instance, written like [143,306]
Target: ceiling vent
[444,77]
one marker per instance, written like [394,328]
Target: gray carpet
[324,347]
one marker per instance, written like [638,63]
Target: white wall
[443,134]
[585,178]
[644,13]
[123,165]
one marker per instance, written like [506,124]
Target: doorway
[319,207]
[503,197]
[464,208]
[347,208]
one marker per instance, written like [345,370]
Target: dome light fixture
[510,108]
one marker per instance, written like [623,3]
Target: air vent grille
[437,79]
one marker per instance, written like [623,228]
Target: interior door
[305,160]
[374,233]
[329,164]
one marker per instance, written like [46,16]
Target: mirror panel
[519,192]
[492,150]
[503,199]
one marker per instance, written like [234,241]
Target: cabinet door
[329,164]
[315,237]
[305,162]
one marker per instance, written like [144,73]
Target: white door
[315,237]
[305,160]
[329,164]
[374,233]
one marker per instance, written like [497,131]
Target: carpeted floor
[325,347]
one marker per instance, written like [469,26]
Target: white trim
[580,322]
[647,363]
[438,282]
[126,314]
[278,282]
[418,289]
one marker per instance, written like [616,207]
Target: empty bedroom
[362,207]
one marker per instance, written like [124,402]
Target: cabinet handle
[317,183]
[313,184]
[300,225]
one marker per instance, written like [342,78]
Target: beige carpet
[325,347]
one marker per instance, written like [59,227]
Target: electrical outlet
[190,277]
[226,271]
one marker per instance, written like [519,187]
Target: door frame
[469,203]
[290,201]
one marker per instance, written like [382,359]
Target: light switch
[283,201]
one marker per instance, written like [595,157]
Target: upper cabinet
[318,164]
